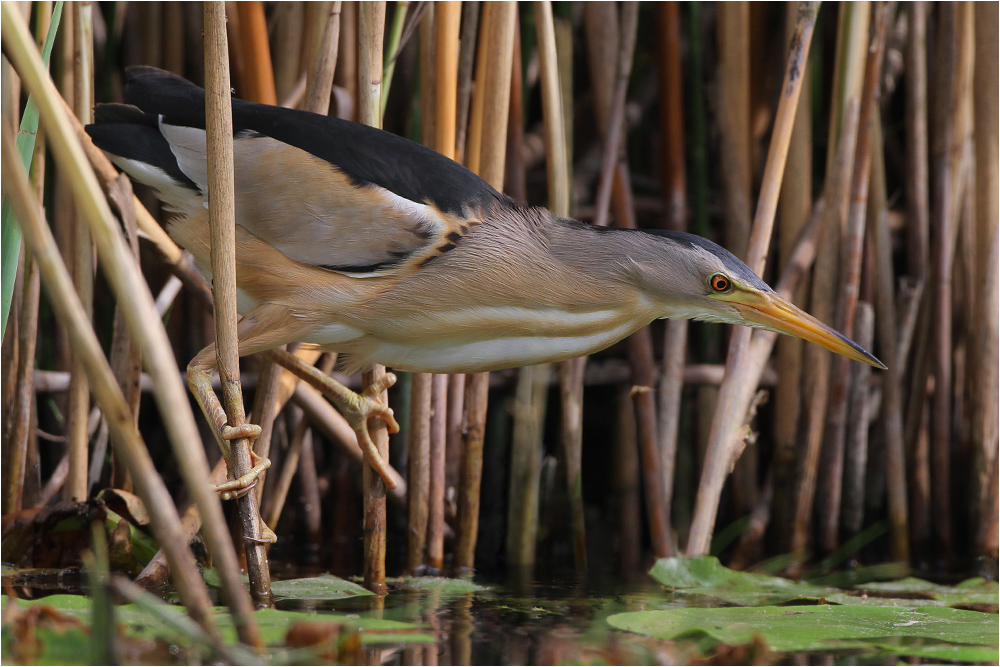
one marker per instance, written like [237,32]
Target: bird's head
[693,278]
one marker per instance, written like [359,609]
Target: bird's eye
[720,283]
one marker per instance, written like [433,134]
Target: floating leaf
[442,584]
[323,587]
[822,627]
[976,591]
[706,576]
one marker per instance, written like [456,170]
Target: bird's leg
[199,375]
[265,327]
[357,409]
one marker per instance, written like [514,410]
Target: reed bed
[683,439]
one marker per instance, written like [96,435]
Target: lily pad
[976,591]
[706,576]
[825,627]
[442,584]
[323,587]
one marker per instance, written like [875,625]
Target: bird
[367,244]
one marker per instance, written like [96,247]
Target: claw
[240,486]
[380,385]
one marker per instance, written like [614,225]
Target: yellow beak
[771,312]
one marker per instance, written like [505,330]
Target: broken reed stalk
[126,283]
[493,103]
[149,486]
[80,255]
[851,52]
[737,390]
[674,177]
[888,335]
[222,220]
[852,250]
[320,81]
[371,26]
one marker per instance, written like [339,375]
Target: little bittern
[364,243]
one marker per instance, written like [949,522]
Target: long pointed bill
[771,312]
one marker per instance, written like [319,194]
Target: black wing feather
[365,154]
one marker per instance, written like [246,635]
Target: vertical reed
[487,148]
[371,24]
[222,219]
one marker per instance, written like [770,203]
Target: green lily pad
[442,584]
[969,592]
[323,587]
[706,576]
[824,627]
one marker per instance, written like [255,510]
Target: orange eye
[720,283]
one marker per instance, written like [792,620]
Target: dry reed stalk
[985,339]
[346,75]
[289,26]
[794,208]
[445,74]
[887,334]
[320,81]
[23,443]
[856,445]
[371,26]
[674,176]
[61,293]
[852,41]
[82,252]
[493,99]
[743,365]
[173,37]
[436,526]
[917,199]
[258,82]
[945,173]
[466,59]
[554,118]
[418,470]
[150,23]
[515,181]
[608,77]
[852,249]
[126,358]
[222,220]
[265,410]
[736,140]
[447,15]
[626,484]
[524,489]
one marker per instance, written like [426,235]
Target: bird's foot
[357,409]
[235,488]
